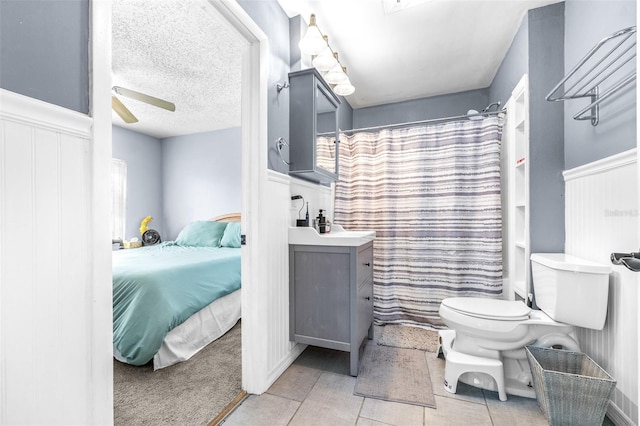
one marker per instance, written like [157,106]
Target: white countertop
[307,235]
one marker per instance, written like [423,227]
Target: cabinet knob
[367,298]
[367,264]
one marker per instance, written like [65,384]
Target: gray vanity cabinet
[313,128]
[331,297]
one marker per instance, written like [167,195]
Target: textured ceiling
[430,48]
[184,52]
[180,51]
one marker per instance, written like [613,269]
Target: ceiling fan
[124,113]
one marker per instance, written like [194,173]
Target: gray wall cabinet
[331,297]
[313,128]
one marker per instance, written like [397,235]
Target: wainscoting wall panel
[281,351]
[45,265]
[601,218]
[279,189]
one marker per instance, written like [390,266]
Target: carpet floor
[188,393]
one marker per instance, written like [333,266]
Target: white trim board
[36,113]
[602,165]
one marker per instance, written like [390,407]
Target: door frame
[254,171]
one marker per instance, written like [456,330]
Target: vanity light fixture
[345,88]
[324,59]
[335,75]
[312,43]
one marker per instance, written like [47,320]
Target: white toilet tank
[570,289]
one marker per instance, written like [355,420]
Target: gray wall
[514,65]
[44,49]
[422,109]
[345,114]
[587,22]
[546,131]
[143,155]
[275,24]
[201,178]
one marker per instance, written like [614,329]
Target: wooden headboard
[228,217]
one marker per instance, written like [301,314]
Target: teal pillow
[202,233]
[231,236]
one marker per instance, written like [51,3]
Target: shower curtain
[432,194]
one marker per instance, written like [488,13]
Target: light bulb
[344,88]
[336,75]
[325,59]
[312,43]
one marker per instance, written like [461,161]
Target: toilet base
[480,372]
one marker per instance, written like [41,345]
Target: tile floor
[318,390]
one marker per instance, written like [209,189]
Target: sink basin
[337,237]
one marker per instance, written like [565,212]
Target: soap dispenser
[321,222]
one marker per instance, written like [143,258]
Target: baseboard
[285,363]
[616,415]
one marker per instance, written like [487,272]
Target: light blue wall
[201,178]
[44,50]
[143,155]
[587,22]
[421,109]
[179,180]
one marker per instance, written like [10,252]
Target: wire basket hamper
[571,388]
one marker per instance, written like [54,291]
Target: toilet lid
[504,310]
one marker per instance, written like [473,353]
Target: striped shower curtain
[432,194]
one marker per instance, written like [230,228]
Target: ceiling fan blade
[122,111]
[161,103]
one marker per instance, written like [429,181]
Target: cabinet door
[321,295]
[326,131]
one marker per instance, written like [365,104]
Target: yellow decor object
[144,223]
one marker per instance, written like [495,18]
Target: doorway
[253,117]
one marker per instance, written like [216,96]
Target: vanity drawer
[364,307]
[365,263]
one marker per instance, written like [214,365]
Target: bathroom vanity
[331,289]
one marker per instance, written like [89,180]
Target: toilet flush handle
[629,260]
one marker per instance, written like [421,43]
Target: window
[118,198]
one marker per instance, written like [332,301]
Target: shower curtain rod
[430,121]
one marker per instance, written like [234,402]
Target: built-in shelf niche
[517,132]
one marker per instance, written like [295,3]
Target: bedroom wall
[200,177]
[143,155]
[44,51]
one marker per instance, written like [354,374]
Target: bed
[172,299]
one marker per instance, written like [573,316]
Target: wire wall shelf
[607,68]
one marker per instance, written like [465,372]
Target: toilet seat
[491,309]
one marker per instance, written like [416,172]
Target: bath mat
[405,336]
[395,374]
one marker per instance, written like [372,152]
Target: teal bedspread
[157,288]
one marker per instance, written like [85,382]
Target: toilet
[484,346]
